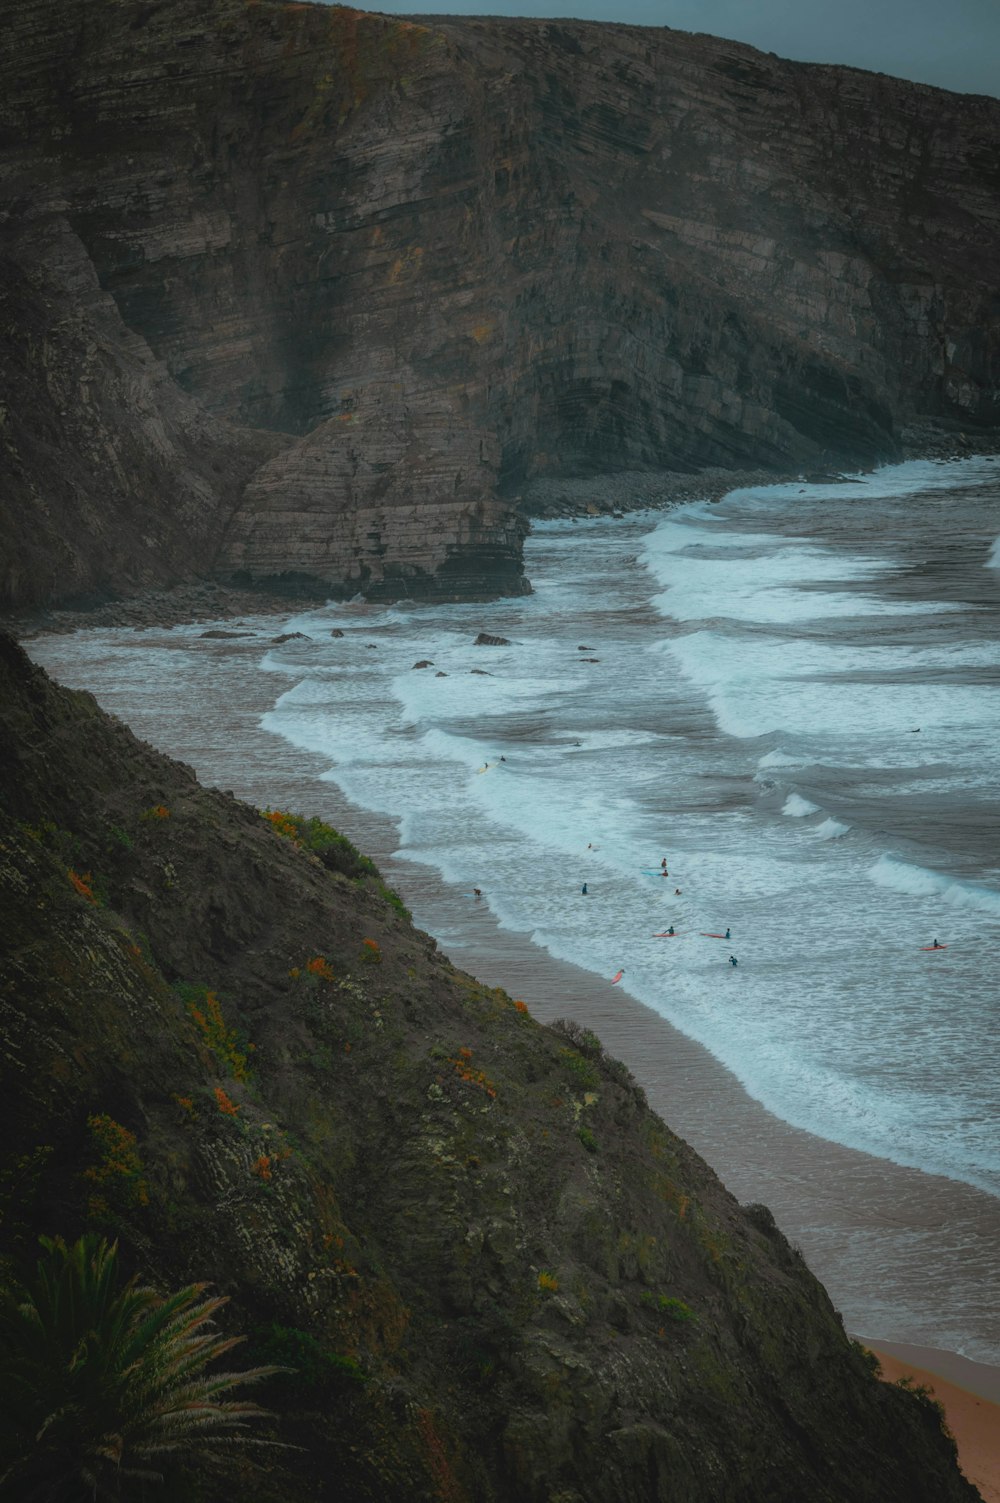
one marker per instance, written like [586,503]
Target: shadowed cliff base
[501,1275]
[331,289]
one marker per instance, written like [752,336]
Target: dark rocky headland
[499,1274]
[302,297]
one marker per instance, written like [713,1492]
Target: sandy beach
[822,1195]
[973,1419]
[904,1255]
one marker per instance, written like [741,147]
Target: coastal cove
[906,1249]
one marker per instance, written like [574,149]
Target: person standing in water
[726,935]
[583,889]
[733,960]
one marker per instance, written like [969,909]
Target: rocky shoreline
[544,499]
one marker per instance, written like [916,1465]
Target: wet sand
[908,1258]
[903,1254]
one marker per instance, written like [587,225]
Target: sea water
[792,695]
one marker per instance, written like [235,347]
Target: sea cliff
[304,296]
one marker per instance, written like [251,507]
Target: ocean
[791,696]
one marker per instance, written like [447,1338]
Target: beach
[868,1228]
[973,1420]
[772,753]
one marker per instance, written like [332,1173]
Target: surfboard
[484,769]
[666,936]
[706,935]
[934,947]
[617,978]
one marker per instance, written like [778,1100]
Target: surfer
[936,946]
[671,929]
[663,865]
[726,936]
[478,891]
[733,960]
[677,892]
[583,889]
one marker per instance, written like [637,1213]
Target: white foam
[778,758]
[797,807]
[920,882]
[831,829]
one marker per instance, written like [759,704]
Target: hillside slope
[307,295]
[510,1279]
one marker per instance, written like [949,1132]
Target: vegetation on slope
[497,1275]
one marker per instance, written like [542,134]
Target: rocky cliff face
[501,1278]
[431,261]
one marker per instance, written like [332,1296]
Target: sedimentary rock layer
[436,259]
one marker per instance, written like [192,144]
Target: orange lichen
[224,1042]
[465,1072]
[83,882]
[320,967]
[118,1172]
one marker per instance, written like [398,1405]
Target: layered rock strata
[432,260]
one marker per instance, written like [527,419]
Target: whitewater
[795,706]
[791,695]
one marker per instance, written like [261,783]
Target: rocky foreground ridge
[499,1275]
[303,295]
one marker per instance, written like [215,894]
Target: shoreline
[905,1255]
[850,1212]
[615,494]
[972,1417]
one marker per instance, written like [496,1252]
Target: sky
[954,44]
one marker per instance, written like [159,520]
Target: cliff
[302,295]
[500,1277]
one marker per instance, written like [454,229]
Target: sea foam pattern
[795,698]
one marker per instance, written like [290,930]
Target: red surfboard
[704,935]
[617,978]
[664,935]
[934,947]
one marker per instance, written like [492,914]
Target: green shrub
[105,1384]
[334,850]
[582,1070]
[666,1304]
[310,1366]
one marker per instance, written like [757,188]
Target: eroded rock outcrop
[373,276]
[502,1278]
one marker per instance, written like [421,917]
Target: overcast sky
[952,43]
